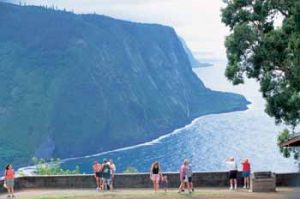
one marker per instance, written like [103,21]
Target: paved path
[203,193]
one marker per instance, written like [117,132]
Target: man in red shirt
[246,173]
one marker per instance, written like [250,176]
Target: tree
[257,49]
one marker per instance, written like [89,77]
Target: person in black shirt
[155,175]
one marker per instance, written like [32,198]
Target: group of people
[104,174]
[185,172]
[233,171]
[9,180]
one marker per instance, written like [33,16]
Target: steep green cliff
[72,84]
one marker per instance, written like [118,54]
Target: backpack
[106,171]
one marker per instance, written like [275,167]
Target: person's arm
[150,173]
[115,168]
[180,173]
[94,171]
[112,171]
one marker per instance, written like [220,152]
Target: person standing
[232,167]
[184,177]
[97,167]
[164,183]
[9,176]
[112,171]
[190,176]
[106,175]
[246,173]
[155,175]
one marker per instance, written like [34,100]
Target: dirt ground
[203,193]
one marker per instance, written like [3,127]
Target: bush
[130,170]
[52,167]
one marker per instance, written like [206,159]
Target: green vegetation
[257,49]
[287,151]
[130,170]
[73,85]
[52,167]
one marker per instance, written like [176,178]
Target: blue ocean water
[208,140]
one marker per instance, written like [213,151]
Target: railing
[141,180]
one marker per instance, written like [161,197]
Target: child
[164,183]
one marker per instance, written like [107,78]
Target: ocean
[208,140]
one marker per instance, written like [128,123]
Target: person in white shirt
[233,170]
[113,171]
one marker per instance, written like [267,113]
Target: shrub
[52,167]
[130,170]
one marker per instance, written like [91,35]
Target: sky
[197,21]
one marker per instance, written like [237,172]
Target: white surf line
[155,141]
[149,143]
[29,170]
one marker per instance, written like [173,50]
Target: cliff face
[72,85]
[194,62]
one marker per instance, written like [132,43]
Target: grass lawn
[149,194]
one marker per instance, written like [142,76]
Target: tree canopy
[264,44]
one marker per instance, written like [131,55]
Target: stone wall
[141,180]
[288,179]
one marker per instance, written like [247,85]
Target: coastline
[29,170]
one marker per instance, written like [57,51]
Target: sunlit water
[208,140]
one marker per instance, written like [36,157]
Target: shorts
[184,179]
[107,181]
[98,174]
[10,183]
[190,179]
[155,177]
[246,174]
[233,174]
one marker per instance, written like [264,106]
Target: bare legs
[155,185]
[10,191]
[233,184]
[98,183]
[191,186]
[247,182]
[182,186]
